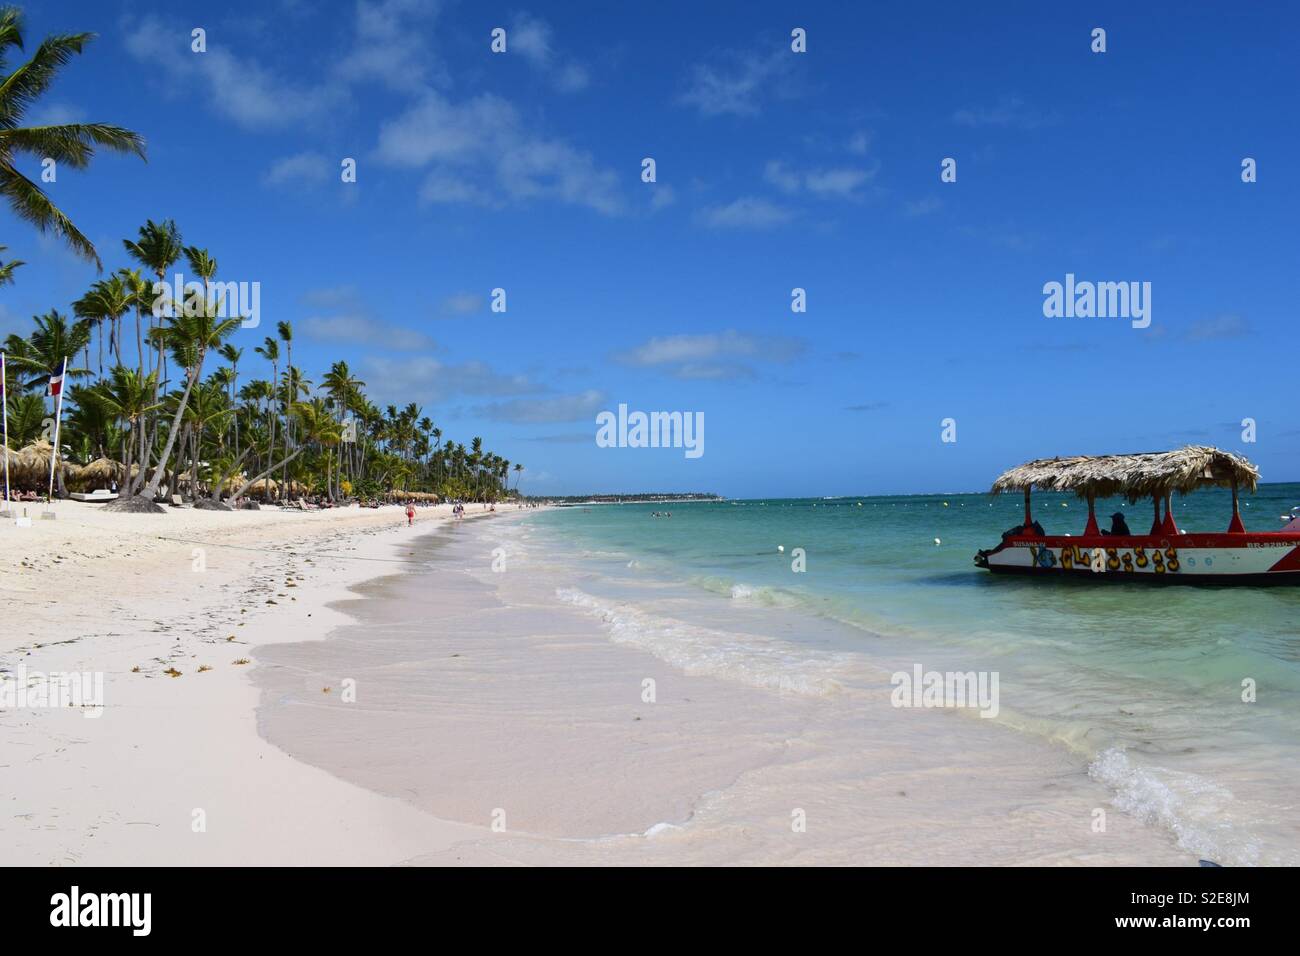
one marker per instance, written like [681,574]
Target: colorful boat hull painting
[1227,558]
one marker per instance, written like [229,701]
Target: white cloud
[531,38]
[333,297]
[748,212]
[364,330]
[390,44]
[839,182]
[479,152]
[461,303]
[239,88]
[425,379]
[923,207]
[302,169]
[1009,112]
[56,114]
[735,83]
[859,143]
[664,196]
[1226,326]
[548,410]
[691,350]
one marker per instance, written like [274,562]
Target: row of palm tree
[152,407]
[176,404]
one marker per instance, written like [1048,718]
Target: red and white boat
[1165,554]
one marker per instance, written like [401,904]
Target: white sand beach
[493,721]
[113,593]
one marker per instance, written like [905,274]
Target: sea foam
[700,651]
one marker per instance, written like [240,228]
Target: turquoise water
[1144,684]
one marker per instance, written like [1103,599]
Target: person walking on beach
[410,514]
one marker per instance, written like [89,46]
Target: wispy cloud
[480,152]
[564,438]
[426,379]
[238,87]
[390,44]
[365,330]
[301,169]
[1225,326]
[333,297]
[834,183]
[860,143]
[717,356]
[545,410]
[923,207]
[736,83]
[747,212]
[866,407]
[1010,112]
[461,304]
[532,38]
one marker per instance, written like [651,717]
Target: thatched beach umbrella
[100,473]
[30,467]
[264,487]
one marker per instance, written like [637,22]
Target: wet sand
[485,698]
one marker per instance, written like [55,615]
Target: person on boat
[1118,526]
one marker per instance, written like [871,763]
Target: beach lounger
[98,495]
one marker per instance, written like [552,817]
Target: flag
[56,384]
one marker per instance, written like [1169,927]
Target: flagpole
[58,416]
[4,400]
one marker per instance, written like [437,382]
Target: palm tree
[127,395]
[233,355]
[68,144]
[7,269]
[157,249]
[518,468]
[317,426]
[270,350]
[190,338]
[141,292]
[285,331]
[107,301]
[41,356]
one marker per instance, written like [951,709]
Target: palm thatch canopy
[1137,476]
[30,467]
[100,473]
[263,486]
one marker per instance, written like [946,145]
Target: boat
[1164,555]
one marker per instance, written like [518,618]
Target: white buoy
[781,548]
[937,541]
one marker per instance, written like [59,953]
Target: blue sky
[775,170]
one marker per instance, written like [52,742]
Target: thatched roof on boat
[1134,476]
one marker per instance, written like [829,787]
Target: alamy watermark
[21,689]
[921,688]
[651,430]
[1101,300]
[225,300]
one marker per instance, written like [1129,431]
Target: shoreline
[488,698]
[174,772]
[477,692]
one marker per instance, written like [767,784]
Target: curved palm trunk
[243,489]
[151,490]
[139,342]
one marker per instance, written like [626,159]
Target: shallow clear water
[1143,684]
